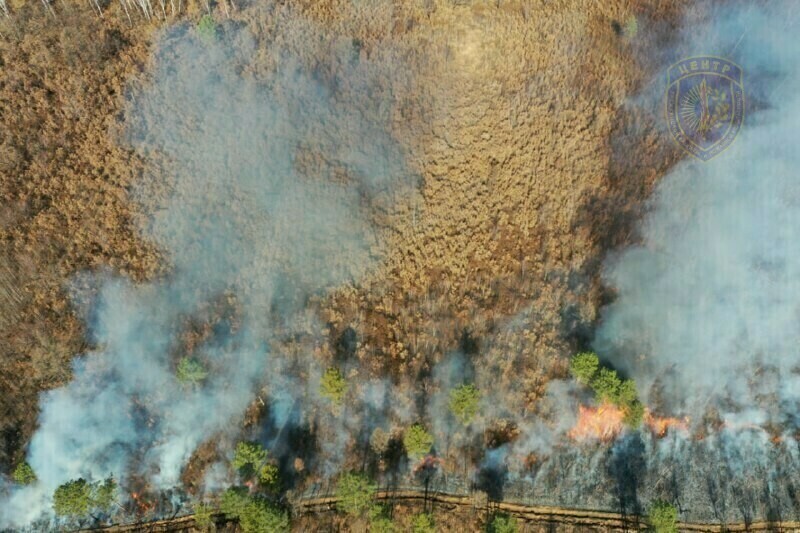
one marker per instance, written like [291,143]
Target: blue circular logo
[704,104]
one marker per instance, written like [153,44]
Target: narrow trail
[530,514]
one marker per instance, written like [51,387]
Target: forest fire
[428,463]
[143,505]
[599,423]
[271,258]
[606,421]
[660,425]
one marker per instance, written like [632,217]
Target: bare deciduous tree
[125,7]
[146,8]
[48,7]
[379,441]
[144,5]
[96,7]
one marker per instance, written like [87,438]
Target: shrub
[663,517]
[417,441]
[78,497]
[73,498]
[464,403]
[254,514]
[503,523]
[423,523]
[634,414]
[606,385]
[626,393]
[190,371]
[631,27]
[382,525]
[203,514]
[250,459]
[333,386]
[207,28]
[584,366]
[23,474]
[355,493]
[104,494]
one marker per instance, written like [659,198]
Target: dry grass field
[512,119]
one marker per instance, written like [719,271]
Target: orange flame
[660,425]
[597,423]
[606,421]
[142,505]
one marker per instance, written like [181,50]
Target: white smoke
[707,313]
[707,308]
[272,178]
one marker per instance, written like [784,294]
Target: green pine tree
[606,385]
[355,493]
[503,523]
[663,517]
[255,514]
[464,403]
[583,367]
[207,28]
[23,474]
[417,441]
[190,371]
[423,523]
[333,386]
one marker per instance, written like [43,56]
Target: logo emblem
[705,104]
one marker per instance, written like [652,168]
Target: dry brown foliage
[511,113]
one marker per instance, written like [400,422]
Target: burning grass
[606,421]
[603,423]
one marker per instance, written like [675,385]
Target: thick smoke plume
[706,317]
[273,174]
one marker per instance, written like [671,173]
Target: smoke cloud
[705,314]
[274,173]
[706,317]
